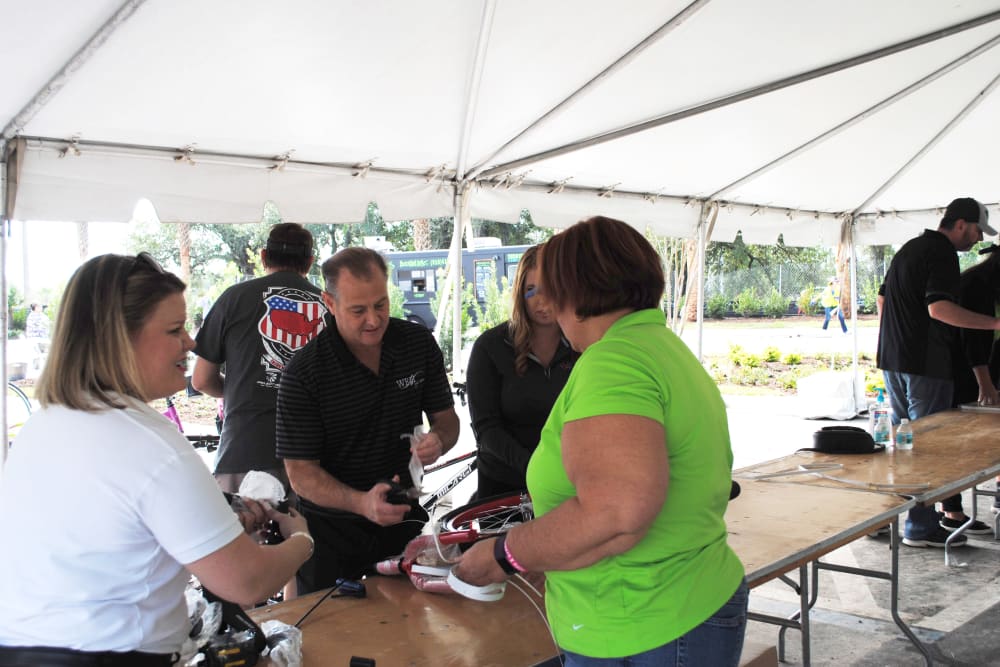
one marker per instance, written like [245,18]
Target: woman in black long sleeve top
[516,371]
[978,368]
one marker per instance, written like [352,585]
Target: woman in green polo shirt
[631,477]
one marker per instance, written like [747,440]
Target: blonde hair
[108,299]
[520,322]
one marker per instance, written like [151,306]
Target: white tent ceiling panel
[38,38]
[414,85]
[665,216]
[320,80]
[98,182]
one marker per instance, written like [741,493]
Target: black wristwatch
[500,555]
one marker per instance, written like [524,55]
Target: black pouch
[843,440]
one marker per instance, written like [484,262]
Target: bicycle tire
[487,517]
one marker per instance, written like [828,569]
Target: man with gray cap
[919,309]
[253,331]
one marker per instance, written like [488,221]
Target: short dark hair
[361,262]
[600,265]
[289,248]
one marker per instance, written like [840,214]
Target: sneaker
[996,506]
[878,532]
[935,539]
[977,527]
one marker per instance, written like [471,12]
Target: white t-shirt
[99,512]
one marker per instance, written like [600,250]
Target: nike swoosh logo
[577,627]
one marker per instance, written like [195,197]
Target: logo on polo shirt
[410,381]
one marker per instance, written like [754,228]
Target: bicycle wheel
[486,517]
[18,409]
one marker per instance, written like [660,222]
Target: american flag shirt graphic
[291,322]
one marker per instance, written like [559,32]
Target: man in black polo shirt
[343,403]
[918,305]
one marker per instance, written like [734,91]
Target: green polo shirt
[683,570]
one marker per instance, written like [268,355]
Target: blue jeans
[917,396]
[840,314]
[717,642]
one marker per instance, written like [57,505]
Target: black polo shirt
[333,409]
[924,270]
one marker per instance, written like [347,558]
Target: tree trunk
[422,234]
[83,239]
[184,243]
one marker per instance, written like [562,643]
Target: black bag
[843,440]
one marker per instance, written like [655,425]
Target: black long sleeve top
[507,410]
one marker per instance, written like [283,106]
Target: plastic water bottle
[881,427]
[904,435]
[882,434]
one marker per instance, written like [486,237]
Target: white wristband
[312,542]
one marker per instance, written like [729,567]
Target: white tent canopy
[792,116]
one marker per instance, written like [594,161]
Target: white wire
[538,609]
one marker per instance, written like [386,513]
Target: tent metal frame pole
[853,265]
[747,94]
[4,226]
[461,219]
[630,55]
[870,111]
[966,110]
[78,59]
[700,316]
[475,79]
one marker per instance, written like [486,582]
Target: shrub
[772,354]
[752,361]
[736,354]
[807,301]
[717,306]
[868,295]
[775,305]
[793,359]
[747,303]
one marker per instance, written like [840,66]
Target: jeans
[917,396]
[840,314]
[717,642]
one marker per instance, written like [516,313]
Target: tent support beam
[618,64]
[475,78]
[870,111]
[966,110]
[462,220]
[60,78]
[740,96]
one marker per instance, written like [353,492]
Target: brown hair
[361,262]
[108,299]
[520,322]
[289,248]
[600,265]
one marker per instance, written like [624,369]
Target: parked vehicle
[419,275]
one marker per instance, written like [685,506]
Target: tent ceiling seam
[745,94]
[866,113]
[620,62]
[965,111]
[475,79]
[62,76]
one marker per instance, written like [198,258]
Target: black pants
[43,656]
[349,546]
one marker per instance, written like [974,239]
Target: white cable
[488,593]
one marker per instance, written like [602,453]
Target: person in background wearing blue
[516,371]
[830,300]
[920,315]
[632,476]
